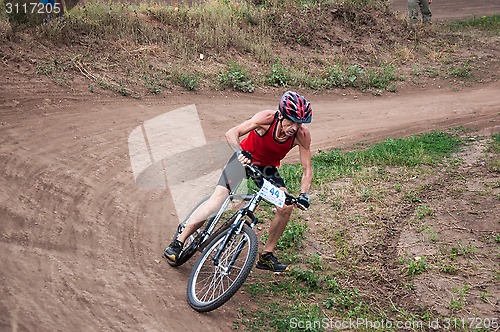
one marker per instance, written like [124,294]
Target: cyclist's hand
[303,201]
[244,157]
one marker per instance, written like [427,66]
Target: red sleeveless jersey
[265,150]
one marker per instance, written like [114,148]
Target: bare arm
[260,119]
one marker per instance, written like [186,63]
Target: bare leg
[278,226]
[212,205]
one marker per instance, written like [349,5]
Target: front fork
[235,229]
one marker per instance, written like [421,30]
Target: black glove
[303,201]
[245,154]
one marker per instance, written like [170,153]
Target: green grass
[413,267]
[348,266]
[495,144]
[463,70]
[425,149]
[296,305]
[135,36]
[334,76]
[236,77]
[488,23]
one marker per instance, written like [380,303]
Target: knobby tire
[209,286]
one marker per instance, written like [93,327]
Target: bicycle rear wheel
[210,285]
[190,245]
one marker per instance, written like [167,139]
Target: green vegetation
[488,23]
[414,267]
[459,300]
[348,266]
[495,145]
[423,211]
[131,44]
[425,149]
[461,71]
[236,77]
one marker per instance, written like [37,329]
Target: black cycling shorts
[235,172]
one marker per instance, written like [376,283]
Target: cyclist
[271,135]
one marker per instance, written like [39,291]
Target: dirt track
[81,242]
[449,10]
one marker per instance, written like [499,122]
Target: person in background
[53,8]
[425,9]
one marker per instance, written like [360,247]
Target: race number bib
[272,194]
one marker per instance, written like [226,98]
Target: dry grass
[139,47]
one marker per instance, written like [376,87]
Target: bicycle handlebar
[289,200]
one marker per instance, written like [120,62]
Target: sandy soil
[81,243]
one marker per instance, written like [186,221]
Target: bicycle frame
[204,237]
[237,225]
[229,252]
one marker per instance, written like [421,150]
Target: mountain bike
[228,252]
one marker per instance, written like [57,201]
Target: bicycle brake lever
[302,207]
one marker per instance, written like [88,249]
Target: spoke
[213,281]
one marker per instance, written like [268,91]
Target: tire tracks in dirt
[80,241]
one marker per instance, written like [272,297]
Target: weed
[354,76]
[431,72]
[487,23]
[411,196]
[123,91]
[423,211]
[236,77]
[311,279]
[414,267]
[293,235]
[338,238]
[484,296]
[189,81]
[458,303]
[316,261]
[380,78]
[153,83]
[366,194]
[462,71]
[53,69]
[347,302]
[433,236]
[460,250]
[392,87]
[449,269]
[278,76]
[336,77]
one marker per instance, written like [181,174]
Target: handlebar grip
[289,199]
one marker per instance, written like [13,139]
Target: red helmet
[295,107]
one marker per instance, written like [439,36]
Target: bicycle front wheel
[211,285]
